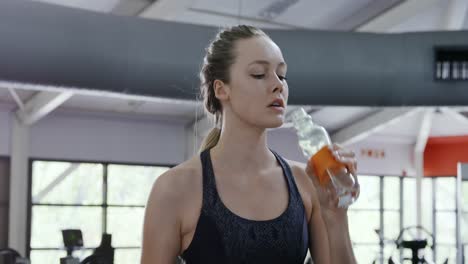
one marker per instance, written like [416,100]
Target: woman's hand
[327,196]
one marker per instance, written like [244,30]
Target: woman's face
[257,80]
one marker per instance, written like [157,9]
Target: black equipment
[104,254]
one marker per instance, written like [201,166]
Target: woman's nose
[278,85]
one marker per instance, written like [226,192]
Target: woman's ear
[221,90]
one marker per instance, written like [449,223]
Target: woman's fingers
[348,158]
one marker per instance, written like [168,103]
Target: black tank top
[224,237]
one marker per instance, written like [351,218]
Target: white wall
[5,131]
[88,137]
[85,137]
[398,158]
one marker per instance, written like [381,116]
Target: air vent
[451,63]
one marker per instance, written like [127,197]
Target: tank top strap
[210,195]
[294,191]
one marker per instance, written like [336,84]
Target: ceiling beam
[465,22]
[40,105]
[241,19]
[368,12]
[396,15]
[131,7]
[166,9]
[370,124]
[455,115]
[424,131]
[17,99]
[455,15]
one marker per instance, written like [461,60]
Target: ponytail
[211,140]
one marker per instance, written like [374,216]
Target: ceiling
[385,16]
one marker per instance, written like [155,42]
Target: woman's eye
[283,78]
[258,76]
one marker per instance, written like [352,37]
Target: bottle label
[321,162]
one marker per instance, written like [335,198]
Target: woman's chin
[275,123]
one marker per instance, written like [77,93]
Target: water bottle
[314,142]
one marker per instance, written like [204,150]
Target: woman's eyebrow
[264,62]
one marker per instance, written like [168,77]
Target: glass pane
[465,195]
[444,252]
[370,193]
[66,183]
[47,256]
[409,202]
[429,254]
[391,192]
[445,193]
[464,228]
[390,250]
[125,225]
[391,225]
[366,253]
[125,256]
[445,228]
[363,225]
[466,253]
[53,256]
[48,222]
[427,203]
[124,180]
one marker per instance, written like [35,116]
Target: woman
[240,202]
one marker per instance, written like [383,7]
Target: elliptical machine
[415,244]
[104,254]
[72,240]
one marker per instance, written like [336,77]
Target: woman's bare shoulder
[182,177]
[303,183]
[179,181]
[298,169]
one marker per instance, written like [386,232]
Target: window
[94,197]
[387,204]
[464,223]
[377,210]
[445,218]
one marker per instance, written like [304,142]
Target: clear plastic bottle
[314,142]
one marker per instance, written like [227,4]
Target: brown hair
[216,64]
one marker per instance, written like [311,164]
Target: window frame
[104,205]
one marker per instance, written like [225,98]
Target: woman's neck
[243,146]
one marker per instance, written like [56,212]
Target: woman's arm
[318,234]
[335,219]
[341,249]
[161,231]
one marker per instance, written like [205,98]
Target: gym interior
[99,98]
